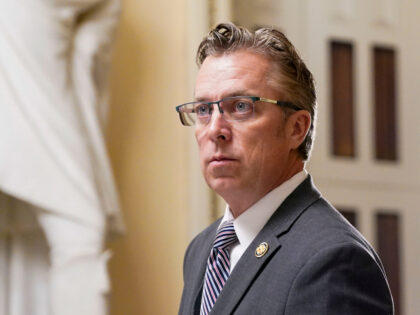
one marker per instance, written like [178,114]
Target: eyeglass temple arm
[281,103]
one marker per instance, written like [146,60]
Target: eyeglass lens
[232,108]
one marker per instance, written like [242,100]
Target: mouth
[221,159]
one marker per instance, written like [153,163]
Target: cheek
[252,149]
[201,143]
[199,138]
[262,150]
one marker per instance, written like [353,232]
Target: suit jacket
[317,263]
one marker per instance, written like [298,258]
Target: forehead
[231,74]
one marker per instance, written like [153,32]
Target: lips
[221,159]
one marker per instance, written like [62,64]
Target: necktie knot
[225,236]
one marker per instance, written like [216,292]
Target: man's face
[241,160]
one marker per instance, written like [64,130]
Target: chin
[222,185]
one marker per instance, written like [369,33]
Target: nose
[219,129]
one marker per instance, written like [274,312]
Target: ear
[298,126]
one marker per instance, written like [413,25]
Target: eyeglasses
[235,108]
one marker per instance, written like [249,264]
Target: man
[280,247]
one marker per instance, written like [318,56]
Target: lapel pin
[261,250]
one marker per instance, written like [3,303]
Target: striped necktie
[218,266]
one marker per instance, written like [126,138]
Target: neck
[240,201]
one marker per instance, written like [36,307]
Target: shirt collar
[251,221]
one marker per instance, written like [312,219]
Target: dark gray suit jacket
[317,263]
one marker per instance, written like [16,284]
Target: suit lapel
[245,272]
[249,266]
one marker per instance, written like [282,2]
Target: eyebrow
[235,93]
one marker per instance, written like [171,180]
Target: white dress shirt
[251,221]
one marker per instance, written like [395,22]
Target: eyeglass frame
[253,98]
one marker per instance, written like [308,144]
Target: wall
[147,146]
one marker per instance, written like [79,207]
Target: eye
[243,106]
[202,109]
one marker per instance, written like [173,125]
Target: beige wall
[147,146]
